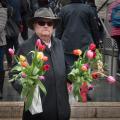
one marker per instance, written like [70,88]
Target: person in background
[115,30]
[28,7]
[77,29]
[98,21]
[56,103]
[3,20]
[13,23]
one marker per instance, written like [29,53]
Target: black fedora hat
[43,13]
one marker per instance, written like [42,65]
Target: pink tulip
[38,42]
[23,75]
[41,78]
[11,51]
[90,54]
[84,68]
[111,79]
[87,65]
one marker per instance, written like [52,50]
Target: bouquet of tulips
[87,68]
[30,75]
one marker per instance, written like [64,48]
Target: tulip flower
[90,54]
[23,75]
[46,67]
[38,42]
[41,78]
[92,47]
[90,87]
[84,68]
[94,54]
[41,47]
[40,55]
[24,64]
[77,52]
[95,75]
[45,58]
[22,58]
[111,79]
[87,65]
[11,51]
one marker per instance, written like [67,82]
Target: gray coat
[3,20]
[55,103]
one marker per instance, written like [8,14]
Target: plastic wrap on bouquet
[36,106]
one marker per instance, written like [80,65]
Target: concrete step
[95,111]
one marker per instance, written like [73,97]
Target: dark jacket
[78,27]
[16,4]
[55,103]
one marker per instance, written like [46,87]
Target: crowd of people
[76,26]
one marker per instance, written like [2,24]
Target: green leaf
[35,71]
[17,68]
[42,87]
[29,98]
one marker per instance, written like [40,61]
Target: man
[78,28]
[55,104]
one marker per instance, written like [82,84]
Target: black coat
[55,103]
[78,27]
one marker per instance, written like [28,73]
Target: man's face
[44,28]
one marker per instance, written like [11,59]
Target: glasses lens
[50,23]
[42,23]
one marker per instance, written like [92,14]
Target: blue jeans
[2,51]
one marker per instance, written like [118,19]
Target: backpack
[115,16]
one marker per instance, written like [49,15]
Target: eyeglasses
[43,23]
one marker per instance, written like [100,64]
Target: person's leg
[9,45]
[2,72]
[15,43]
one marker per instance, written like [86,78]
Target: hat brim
[32,20]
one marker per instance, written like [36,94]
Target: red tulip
[41,47]
[92,47]
[95,75]
[46,67]
[94,54]
[11,51]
